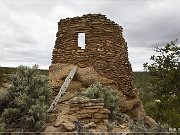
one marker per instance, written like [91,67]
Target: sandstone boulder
[90,125]
[79,100]
[68,126]
[50,129]
[51,118]
[67,96]
[64,118]
[61,118]
[58,73]
[84,77]
[101,128]
[87,76]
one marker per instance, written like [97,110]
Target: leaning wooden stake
[63,88]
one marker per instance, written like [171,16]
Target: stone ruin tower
[104,58]
[105,48]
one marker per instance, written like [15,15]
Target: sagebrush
[141,128]
[28,99]
[110,96]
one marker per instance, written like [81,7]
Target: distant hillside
[5,71]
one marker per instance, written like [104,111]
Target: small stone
[90,125]
[69,126]
[74,109]
[101,128]
[93,107]
[77,100]
[116,130]
[83,115]
[91,104]
[95,120]
[122,126]
[100,116]
[72,118]
[55,110]
[60,119]
[100,100]
[49,129]
[66,97]
[104,110]
[51,118]
[80,51]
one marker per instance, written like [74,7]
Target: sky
[28,28]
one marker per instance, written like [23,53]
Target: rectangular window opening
[81,40]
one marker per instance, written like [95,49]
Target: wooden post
[63,88]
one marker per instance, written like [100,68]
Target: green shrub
[28,99]
[167,111]
[3,101]
[2,127]
[160,128]
[111,98]
[140,127]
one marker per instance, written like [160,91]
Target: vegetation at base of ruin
[27,100]
[168,114]
[162,96]
[2,127]
[111,98]
[165,111]
[140,126]
[111,125]
[3,100]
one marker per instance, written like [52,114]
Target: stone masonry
[88,110]
[105,48]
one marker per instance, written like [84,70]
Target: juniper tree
[165,80]
[165,69]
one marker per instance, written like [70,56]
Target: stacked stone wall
[88,110]
[105,49]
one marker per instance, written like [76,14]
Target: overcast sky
[28,28]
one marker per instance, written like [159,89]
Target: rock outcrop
[81,114]
[84,77]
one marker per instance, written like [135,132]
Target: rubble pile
[84,77]
[81,114]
